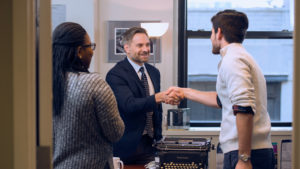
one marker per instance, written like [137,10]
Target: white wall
[82,12]
[79,11]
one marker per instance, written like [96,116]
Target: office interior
[26,116]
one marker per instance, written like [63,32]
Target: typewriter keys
[173,165]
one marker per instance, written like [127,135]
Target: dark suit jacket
[133,105]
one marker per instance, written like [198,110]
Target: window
[269,40]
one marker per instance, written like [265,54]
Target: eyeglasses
[92,45]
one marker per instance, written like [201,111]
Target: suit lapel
[133,75]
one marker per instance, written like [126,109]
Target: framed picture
[115,48]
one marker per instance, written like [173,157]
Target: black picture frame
[115,48]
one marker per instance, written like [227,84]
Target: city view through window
[274,55]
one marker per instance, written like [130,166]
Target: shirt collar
[223,51]
[135,66]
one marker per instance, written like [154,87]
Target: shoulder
[237,52]
[237,56]
[91,77]
[96,84]
[88,80]
[118,67]
[151,68]
[86,83]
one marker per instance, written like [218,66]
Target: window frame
[184,35]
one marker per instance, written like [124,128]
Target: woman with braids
[86,120]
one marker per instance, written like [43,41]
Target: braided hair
[65,41]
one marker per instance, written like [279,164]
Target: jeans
[260,159]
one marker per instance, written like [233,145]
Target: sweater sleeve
[239,82]
[111,124]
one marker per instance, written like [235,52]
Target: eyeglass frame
[92,46]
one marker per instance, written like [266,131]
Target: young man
[136,85]
[241,93]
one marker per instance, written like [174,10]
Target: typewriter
[183,153]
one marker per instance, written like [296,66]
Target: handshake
[172,96]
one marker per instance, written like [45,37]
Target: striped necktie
[149,121]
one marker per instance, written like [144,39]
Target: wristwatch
[244,157]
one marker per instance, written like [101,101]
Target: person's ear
[219,34]
[79,52]
[126,48]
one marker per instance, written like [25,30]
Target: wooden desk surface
[134,167]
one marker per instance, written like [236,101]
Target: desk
[134,167]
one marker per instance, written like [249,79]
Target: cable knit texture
[88,124]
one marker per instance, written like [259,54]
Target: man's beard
[216,49]
[139,58]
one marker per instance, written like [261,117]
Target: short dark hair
[232,23]
[129,34]
[65,40]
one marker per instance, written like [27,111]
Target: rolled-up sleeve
[239,83]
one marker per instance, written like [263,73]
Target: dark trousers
[260,159]
[143,154]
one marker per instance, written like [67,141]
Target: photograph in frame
[115,47]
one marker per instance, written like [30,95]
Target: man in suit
[136,85]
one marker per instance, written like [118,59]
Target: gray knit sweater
[88,124]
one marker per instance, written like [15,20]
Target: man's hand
[243,165]
[171,96]
[160,97]
[174,95]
